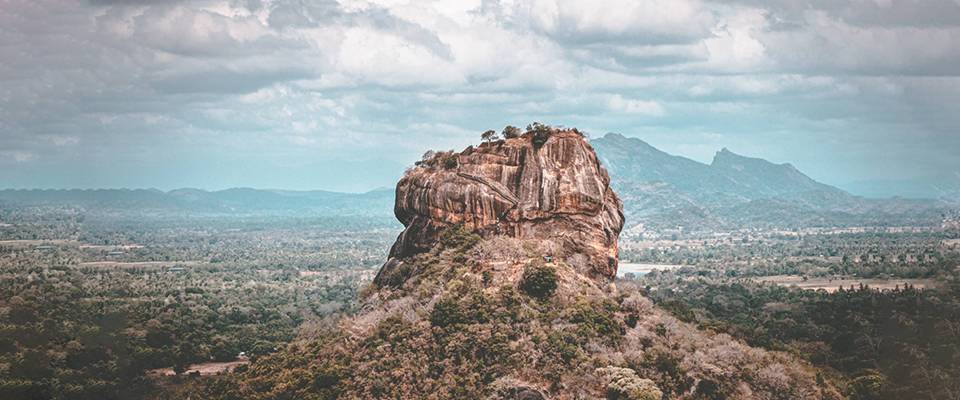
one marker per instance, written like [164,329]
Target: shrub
[446,312]
[624,384]
[540,133]
[451,161]
[539,281]
[565,345]
[597,319]
[511,132]
[427,158]
[463,305]
[868,385]
[458,237]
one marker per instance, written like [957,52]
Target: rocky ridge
[545,185]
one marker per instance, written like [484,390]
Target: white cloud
[106,81]
[637,21]
[633,106]
[17,156]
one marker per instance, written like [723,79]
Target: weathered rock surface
[522,187]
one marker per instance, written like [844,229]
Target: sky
[343,95]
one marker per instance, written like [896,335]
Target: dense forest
[71,334]
[90,305]
[889,344]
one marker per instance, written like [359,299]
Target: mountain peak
[620,139]
[545,185]
[726,156]
[614,136]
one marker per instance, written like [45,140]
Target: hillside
[500,288]
[662,190]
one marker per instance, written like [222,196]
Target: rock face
[544,185]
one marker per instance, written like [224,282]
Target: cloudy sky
[343,94]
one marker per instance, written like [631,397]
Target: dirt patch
[111,247]
[205,369]
[41,242]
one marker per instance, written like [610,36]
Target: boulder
[546,185]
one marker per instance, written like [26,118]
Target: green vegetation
[540,133]
[70,329]
[489,136]
[449,332]
[444,159]
[890,344]
[624,384]
[539,281]
[511,132]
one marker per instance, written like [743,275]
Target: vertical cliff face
[545,186]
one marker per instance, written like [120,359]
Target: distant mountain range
[659,191]
[231,201]
[945,187]
[663,190]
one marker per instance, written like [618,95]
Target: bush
[458,237]
[624,384]
[451,161]
[511,132]
[447,312]
[540,133]
[539,281]
[596,319]
[868,385]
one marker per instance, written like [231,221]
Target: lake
[640,269]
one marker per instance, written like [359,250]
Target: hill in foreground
[500,287]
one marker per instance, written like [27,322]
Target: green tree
[489,136]
[539,281]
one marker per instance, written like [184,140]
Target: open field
[141,264]
[204,369]
[38,242]
[831,285]
[111,247]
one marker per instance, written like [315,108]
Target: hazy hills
[659,190]
[231,201]
[945,186]
[729,179]
[664,190]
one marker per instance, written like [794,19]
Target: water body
[641,269]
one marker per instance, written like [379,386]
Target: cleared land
[141,264]
[37,242]
[204,369]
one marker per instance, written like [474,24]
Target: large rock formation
[546,184]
